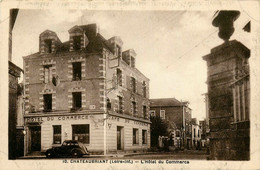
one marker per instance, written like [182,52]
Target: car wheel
[76,154]
[49,155]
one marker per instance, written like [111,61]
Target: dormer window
[48,45]
[78,37]
[129,57]
[118,51]
[132,62]
[49,42]
[76,43]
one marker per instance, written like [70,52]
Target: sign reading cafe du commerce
[56,118]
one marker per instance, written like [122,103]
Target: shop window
[144,111]
[144,136]
[135,136]
[77,100]
[134,108]
[133,84]
[119,77]
[77,43]
[120,105]
[48,44]
[47,73]
[144,88]
[47,102]
[76,71]
[57,134]
[162,114]
[81,133]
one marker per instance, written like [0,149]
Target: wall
[173,114]
[62,94]
[125,90]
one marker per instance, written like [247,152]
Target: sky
[169,44]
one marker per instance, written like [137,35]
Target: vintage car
[69,148]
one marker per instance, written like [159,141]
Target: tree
[158,128]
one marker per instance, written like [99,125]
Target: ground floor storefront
[99,132]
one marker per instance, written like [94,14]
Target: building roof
[166,102]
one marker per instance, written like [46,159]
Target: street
[181,155]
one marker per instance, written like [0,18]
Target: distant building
[177,115]
[14,73]
[85,89]
[203,128]
[196,134]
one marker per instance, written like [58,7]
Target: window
[132,62]
[144,111]
[144,89]
[47,102]
[135,136]
[76,100]
[120,104]
[47,73]
[177,133]
[76,42]
[134,108]
[108,104]
[144,136]
[152,113]
[118,51]
[80,133]
[119,77]
[57,134]
[133,84]
[76,71]
[198,133]
[194,133]
[48,44]
[162,114]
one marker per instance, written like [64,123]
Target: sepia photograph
[126,87]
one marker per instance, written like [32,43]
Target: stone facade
[224,63]
[77,84]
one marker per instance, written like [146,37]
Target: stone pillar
[222,63]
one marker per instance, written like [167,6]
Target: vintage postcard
[130,84]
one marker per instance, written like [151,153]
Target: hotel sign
[55,118]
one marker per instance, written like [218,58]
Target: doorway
[35,138]
[120,138]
